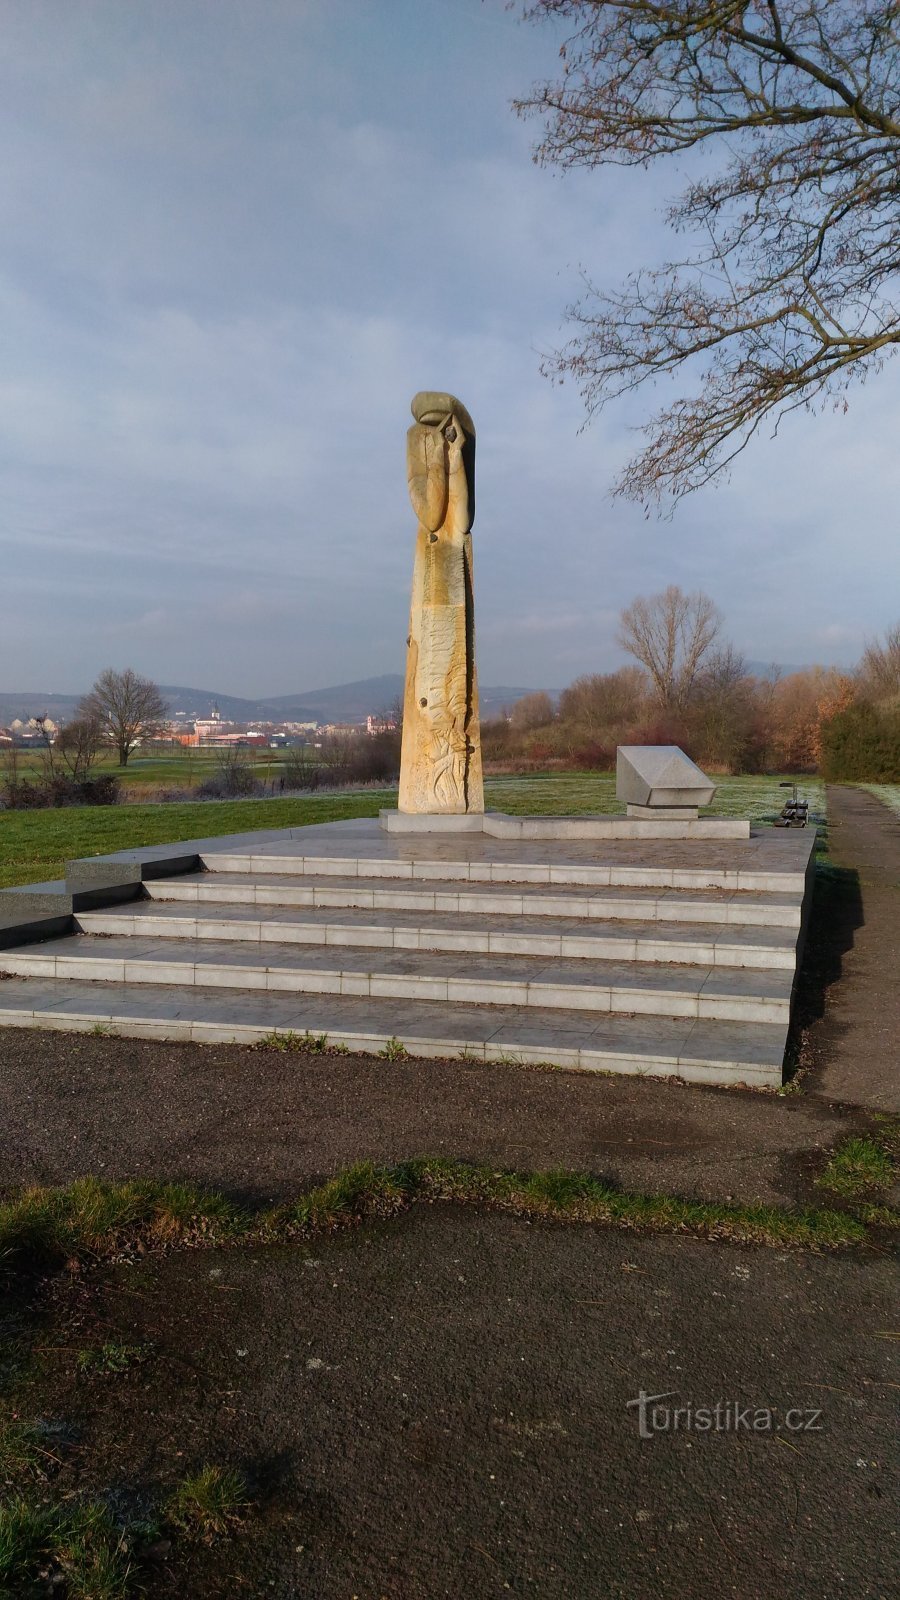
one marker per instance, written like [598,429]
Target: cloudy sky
[237,235]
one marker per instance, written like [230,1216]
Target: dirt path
[265,1125]
[442,1406]
[854,1048]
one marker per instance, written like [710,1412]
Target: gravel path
[855,1047]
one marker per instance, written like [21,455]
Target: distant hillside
[342,702]
[25,705]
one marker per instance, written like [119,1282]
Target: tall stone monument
[440,765]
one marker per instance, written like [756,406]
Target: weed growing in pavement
[111,1358]
[858,1165]
[208,1503]
[393,1050]
[313,1044]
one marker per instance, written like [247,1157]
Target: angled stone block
[654,779]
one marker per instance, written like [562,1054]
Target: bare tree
[670,634]
[127,707]
[78,743]
[44,725]
[791,293]
[724,710]
[879,669]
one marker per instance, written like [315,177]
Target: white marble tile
[177,972]
[218,976]
[653,1002]
[742,1008]
[486,992]
[397,986]
[569,997]
[94,968]
[355,983]
[28,966]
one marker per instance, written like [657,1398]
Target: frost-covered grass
[888,793]
[577,794]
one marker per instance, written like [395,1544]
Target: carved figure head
[443,432]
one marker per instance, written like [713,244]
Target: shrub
[234,778]
[862,745]
[59,789]
[299,772]
[594,757]
[350,758]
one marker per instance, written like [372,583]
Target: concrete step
[706,1051]
[738,908]
[663,989]
[717,945]
[618,873]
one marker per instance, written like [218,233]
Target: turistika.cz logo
[655,1415]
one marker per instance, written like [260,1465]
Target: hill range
[342,702]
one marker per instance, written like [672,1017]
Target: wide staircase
[622,964]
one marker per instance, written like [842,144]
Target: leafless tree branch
[791,294]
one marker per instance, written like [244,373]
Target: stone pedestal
[659,780]
[664,813]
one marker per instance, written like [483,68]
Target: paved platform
[663,957]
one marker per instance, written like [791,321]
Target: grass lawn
[35,845]
[577,794]
[174,769]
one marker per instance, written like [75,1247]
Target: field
[164,769]
[35,845]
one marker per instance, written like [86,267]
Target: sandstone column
[440,767]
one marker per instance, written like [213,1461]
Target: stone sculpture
[440,766]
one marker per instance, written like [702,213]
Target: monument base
[497,825]
[432,821]
[663,813]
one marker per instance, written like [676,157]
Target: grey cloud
[232,253]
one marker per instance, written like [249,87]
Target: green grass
[21,1454]
[858,1166]
[888,793]
[94,1219]
[288,1042]
[208,1503]
[79,1542]
[110,1358]
[89,1217]
[35,845]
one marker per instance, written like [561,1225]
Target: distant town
[185,731]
